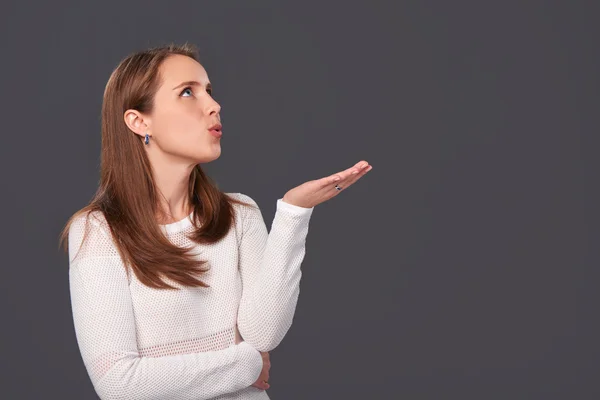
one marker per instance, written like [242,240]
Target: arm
[105,330]
[270,270]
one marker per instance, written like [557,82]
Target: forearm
[269,301]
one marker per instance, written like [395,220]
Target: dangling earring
[147,139]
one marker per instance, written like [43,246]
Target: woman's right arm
[105,331]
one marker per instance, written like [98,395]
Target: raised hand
[317,191]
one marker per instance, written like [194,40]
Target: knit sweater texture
[137,342]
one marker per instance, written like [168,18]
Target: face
[184,112]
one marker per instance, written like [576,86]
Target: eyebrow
[192,83]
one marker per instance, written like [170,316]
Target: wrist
[287,200]
[294,203]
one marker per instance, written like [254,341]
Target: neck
[171,178]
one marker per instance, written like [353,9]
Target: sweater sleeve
[270,269]
[104,324]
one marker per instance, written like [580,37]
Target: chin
[208,158]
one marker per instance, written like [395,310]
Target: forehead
[178,68]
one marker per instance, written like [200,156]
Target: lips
[215,130]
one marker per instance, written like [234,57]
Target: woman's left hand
[317,191]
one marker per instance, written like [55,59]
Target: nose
[213,107]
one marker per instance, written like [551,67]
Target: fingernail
[354,172]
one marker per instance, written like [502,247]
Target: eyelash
[209,91]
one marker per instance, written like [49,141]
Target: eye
[184,89]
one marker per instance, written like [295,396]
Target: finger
[261,382]
[344,175]
[266,384]
[346,183]
[354,174]
[262,386]
[354,177]
[358,164]
[356,167]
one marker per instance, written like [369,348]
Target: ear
[136,122]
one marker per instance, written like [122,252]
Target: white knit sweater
[142,343]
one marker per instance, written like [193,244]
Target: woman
[212,292]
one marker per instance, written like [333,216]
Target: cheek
[179,124]
[181,131]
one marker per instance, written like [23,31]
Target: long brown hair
[127,196]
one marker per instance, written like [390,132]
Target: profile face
[184,112]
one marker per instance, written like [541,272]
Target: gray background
[464,265]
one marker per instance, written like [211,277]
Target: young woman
[212,292]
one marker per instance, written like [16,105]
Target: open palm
[317,191]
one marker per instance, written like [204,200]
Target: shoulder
[89,236]
[243,201]
[88,221]
[249,209]
[241,197]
